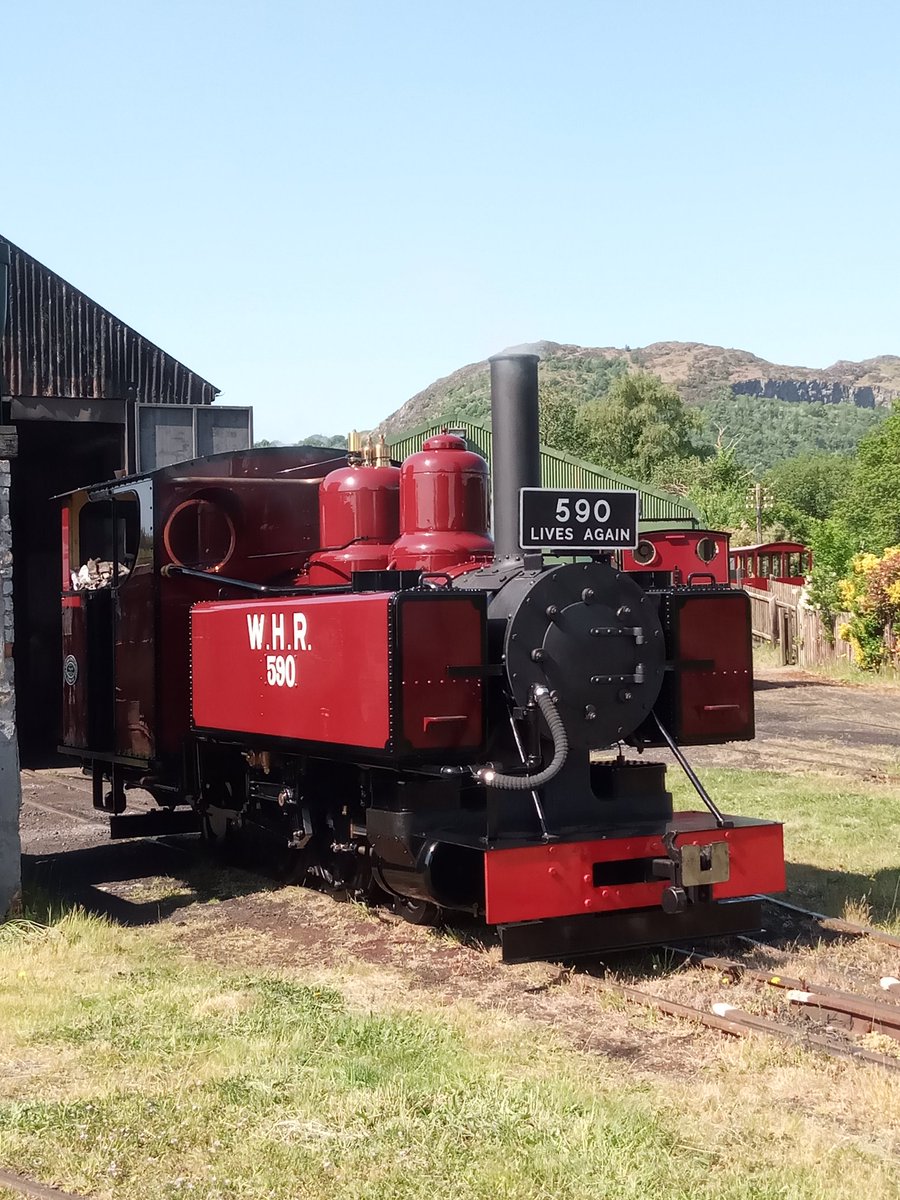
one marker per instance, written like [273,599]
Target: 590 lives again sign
[569,520]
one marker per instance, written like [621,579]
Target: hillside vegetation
[766,432]
[774,412]
[812,459]
[697,371]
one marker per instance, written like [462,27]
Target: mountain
[700,373]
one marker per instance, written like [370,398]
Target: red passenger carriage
[755,566]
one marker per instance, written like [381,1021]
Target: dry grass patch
[187,1079]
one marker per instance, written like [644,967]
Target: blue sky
[323,207]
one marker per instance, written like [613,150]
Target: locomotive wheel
[292,868]
[417,912]
[330,882]
[217,829]
[372,893]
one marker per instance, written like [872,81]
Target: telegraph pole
[757,497]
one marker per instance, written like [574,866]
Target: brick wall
[9,756]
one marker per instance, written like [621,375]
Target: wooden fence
[781,618]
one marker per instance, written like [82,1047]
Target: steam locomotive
[337,655]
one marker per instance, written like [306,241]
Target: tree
[639,425]
[771,431]
[719,486]
[833,546]
[812,484]
[338,440]
[871,507]
[558,423]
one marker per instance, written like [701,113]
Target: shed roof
[60,343]
[560,470]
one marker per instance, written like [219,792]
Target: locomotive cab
[126,670]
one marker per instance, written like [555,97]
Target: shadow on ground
[829,891]
[161,876]
[144,882]
[767,685]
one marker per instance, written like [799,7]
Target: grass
[842,840]
[131,1070]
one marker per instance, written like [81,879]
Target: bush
[871,593]
[833,546]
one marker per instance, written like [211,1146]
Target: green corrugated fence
[559,470]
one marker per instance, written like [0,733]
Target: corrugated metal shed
[559,470]
[60,343]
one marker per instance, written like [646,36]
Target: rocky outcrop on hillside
[697,370]
[819,391]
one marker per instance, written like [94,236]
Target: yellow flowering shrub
[871,594]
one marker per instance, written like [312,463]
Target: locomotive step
[154,823]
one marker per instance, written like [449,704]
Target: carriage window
[644,553]
[707,549]
[793,565]
[764,565]
[804,563]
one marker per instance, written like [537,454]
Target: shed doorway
[53,457]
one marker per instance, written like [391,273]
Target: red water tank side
[443,507]
[359,520]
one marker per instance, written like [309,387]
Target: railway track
[834,924]
[829,1017]
[817,1017]
[30,1187]
[736,1022]
[57,810]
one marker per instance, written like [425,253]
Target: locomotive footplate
[576,937]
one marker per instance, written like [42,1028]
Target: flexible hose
[527,783]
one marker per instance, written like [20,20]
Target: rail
[729,1019]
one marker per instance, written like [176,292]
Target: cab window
[107,545]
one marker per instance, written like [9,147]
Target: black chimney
[515,445]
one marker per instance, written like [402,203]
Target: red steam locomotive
[339,655]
